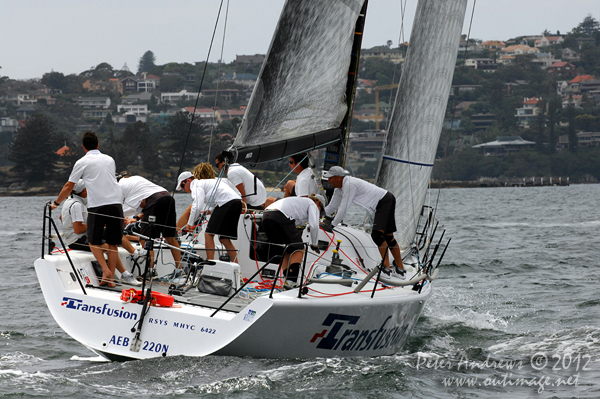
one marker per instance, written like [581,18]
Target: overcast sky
[70,36]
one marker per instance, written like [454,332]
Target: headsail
[418,114]
[299,100]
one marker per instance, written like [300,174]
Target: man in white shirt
[378,202]
[252,190]
[209,193]
[280,221]
[97,170]
[142,196]
[306,182]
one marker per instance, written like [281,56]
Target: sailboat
[343,305]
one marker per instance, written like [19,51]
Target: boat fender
[157,298]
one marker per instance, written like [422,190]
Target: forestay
[299,96]
[419,110]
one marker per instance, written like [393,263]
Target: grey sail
[300,96]
[418,113]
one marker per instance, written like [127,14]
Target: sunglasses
[217,163]
[292,162]
[182,184]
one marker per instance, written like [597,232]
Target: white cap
[322,199]
[335,171]
[79,187]
[183,176]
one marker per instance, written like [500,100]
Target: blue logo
[341,335]
[78,304]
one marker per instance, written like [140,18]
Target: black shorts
[162,206]
[384,214]
[81,244]
[282,230]
[110,216]
[224,220]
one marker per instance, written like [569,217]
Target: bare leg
[229,247]
[99,255]
[176,254]
[120,266]
[127,245]
[113,257]
[209,245]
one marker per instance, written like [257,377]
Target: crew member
[280,221]
[378,202]
[227,204]
[252,190]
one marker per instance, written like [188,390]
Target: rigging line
[390,158]
[462,68]
[187,139]
[212,127]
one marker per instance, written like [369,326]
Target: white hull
[330,320]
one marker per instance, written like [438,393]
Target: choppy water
[515,313]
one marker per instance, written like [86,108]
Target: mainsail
[299,100]
[418,114]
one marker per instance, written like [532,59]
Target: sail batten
[418,113]
[300,91]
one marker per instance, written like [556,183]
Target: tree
[147,62]
[55,80]
[589,26]
[33,149]
[176,131]
[572,132]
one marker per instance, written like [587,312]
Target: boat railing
[52,226]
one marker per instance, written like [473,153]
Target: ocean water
[515,314]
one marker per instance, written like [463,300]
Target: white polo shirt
[306,184]
[73,210]
[207,190]
[98,172]
[357,191]
[237,174]
[301,210]
[136,189]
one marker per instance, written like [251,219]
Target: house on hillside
[576,82]
[249,60]
[504,145]
[135,109]
[207,115]
[508,54]
[528,112]
[562,68]
[148,82]
[493,45]
[545,41]
[244,79]
[569,55]
[543,60]
[395,55]
[136,98]
[482,64]
[224,115]
[183,95]
[93,102]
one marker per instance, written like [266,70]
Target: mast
[334,153]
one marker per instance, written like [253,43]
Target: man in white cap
[378,202]
[280,221]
